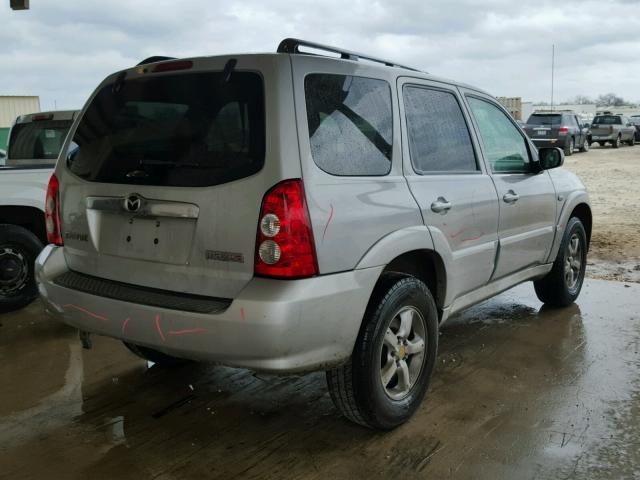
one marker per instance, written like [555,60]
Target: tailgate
[165,175]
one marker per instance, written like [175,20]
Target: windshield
[37,143]
[538,119]
[607,120]
[186,130]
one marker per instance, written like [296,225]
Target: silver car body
[608,132]
[362,226]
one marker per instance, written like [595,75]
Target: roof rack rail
[292,45]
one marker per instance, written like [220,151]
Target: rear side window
[608,120]
[40,141]
[439,140]
[184,130]
[350,124]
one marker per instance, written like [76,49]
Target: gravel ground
[612,178]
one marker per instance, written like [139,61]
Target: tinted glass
[39,142]
[504,145]
[350,124]
[187,130]
[607,120]
[439,140]
[537,119]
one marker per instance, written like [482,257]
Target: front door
[456,196]
[527,199]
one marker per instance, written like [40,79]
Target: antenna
[553,61]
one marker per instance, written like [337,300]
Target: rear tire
[568,149]
[18,251]
[616,143]
[631,142]
[388,374]
[155,356]
[562,285]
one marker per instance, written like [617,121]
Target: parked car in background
[612,128]
[557,128]
[34,143]
[635,120]
[289,212]
[3,157]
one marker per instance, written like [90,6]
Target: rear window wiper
[169,163]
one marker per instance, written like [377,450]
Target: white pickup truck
[34,144]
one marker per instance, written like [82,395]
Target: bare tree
[610,100]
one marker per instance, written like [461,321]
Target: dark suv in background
[560,129]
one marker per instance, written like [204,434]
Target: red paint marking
[186,332]
[242,313]
[328,221]
[159,328]
[472,238]
[124,324]
[91,314]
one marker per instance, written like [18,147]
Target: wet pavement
[520,392]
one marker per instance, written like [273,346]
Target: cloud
[62,50]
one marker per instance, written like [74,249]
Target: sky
[61,50]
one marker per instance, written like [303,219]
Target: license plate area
[165,240]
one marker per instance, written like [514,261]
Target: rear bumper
[603,137]
[273,325]
[550,142]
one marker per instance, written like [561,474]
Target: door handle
[510,197]
[441,205]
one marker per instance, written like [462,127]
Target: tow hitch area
[85,339]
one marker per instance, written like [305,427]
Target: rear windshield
[37,143]
[607,120]
[185,130]
[537,119]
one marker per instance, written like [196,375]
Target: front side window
[183,130]
[504,145]
[39,142]
[350,124]
[439,140]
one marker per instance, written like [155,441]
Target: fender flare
[573,200]
[395,244]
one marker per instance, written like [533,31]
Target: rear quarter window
[38,142]
[185,130]
[350,124]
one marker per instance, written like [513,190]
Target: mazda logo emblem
[132,203]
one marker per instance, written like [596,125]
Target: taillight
[564,130]
[52,212]
[284,243]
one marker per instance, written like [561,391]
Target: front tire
[562,285]
[585,146]
[18,251]
[393,359]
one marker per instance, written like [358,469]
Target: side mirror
[550,157]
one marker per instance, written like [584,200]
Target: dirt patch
[612,178]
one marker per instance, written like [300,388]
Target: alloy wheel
[403,352]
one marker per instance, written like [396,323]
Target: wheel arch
[582,211]
[30,218]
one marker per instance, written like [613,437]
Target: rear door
[167,168]
[456,196]
[527,199]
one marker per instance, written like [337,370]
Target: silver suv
[293,212]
